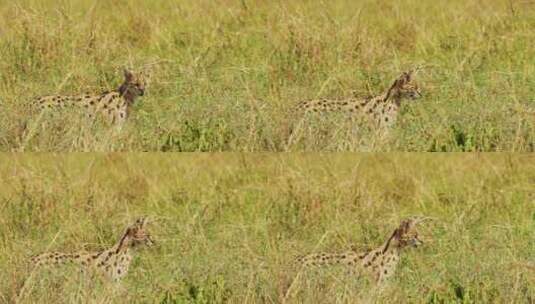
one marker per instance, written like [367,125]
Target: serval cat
[113,105]
[380,263]
[113,262]
[382,110]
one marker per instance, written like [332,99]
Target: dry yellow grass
[228,226]
[226,73]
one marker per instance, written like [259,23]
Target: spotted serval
[380,263]
[382,110]
[113,105]
[113,262]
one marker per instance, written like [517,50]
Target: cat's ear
[128,75]
[406,77]
[400,81]
[144,221]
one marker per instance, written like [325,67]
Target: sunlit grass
[225,74]
[229,226]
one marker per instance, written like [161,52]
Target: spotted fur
[382,110]
[114,106]
[380,263]
[114,262]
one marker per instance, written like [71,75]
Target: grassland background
[228,226]
[225,74]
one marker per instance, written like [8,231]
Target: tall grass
[227,227]
[225,74]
